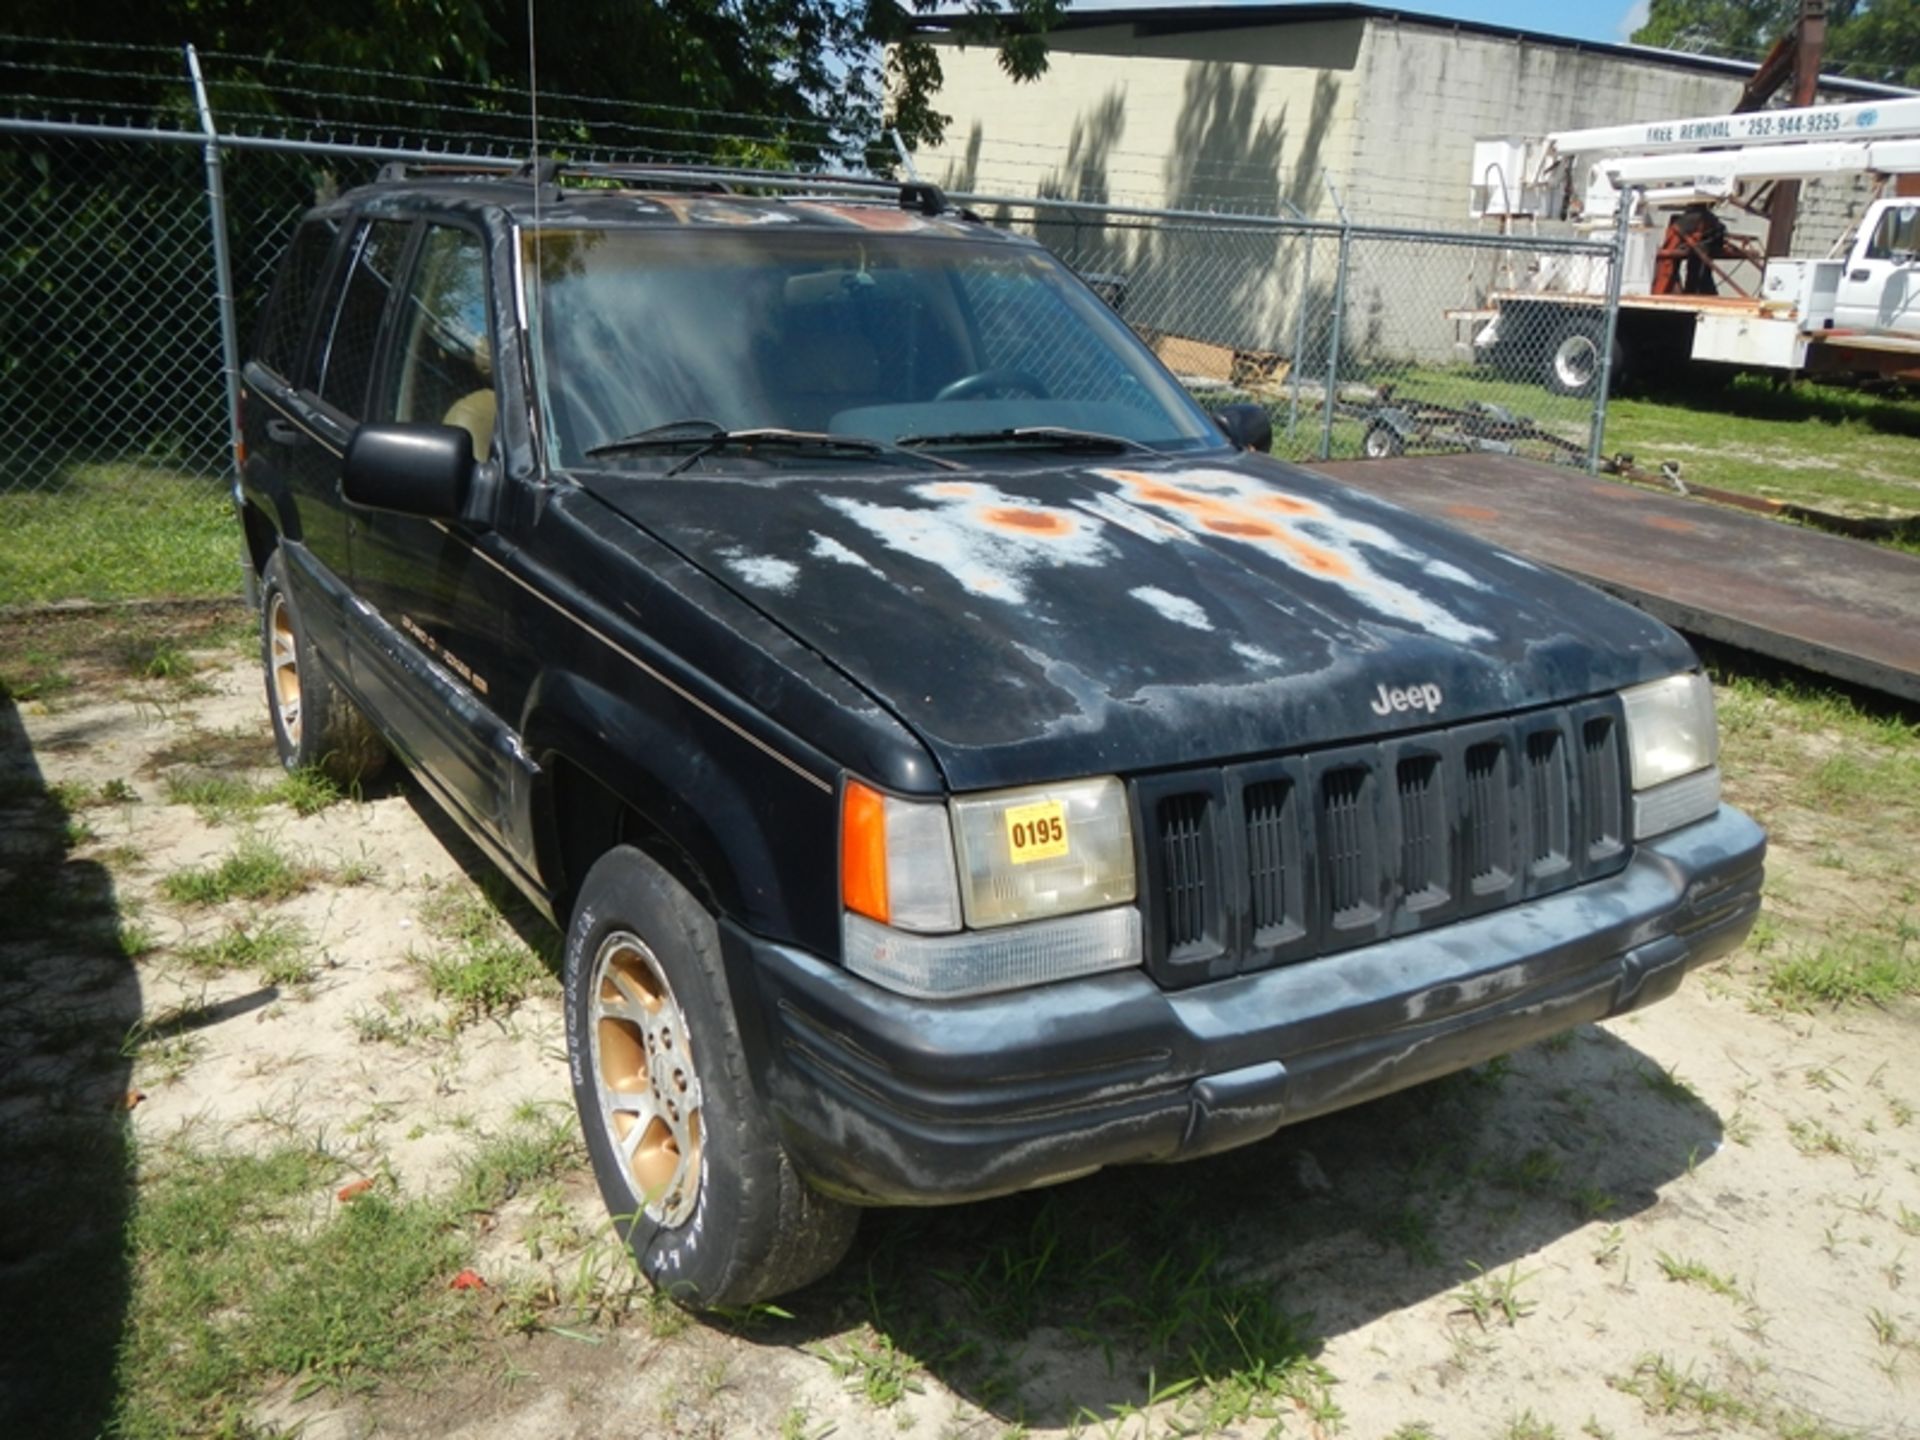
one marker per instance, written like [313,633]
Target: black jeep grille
[1278,860]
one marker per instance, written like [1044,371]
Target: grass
[275,950]
[255,869]
[248,1271]
[219,798]
[118,530]
[482,967]
[1826,446]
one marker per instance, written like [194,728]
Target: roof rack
[547,172]
[444,169]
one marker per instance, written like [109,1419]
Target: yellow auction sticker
[1037,831]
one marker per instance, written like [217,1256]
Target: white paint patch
[1131,518]
[1176,608]
[967,533]
[825,547]
[1441,570]
[1303,534]
[766,571]
[1254,655]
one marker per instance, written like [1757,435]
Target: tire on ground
[731,1223]
[1382,441]
[1572,360]
[314,724]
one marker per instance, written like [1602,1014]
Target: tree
[856,65]
[1866,39]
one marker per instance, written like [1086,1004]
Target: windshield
[858,334]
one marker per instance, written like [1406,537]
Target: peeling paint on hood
[1153,615]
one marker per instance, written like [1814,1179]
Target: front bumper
[888,1100]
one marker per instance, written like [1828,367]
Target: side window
[1897,236]
[283,328]
[443,374]
[356,327]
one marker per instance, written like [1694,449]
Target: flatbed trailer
[1839,607]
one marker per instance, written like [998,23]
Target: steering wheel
[983,382]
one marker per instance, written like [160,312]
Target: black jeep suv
[957,765]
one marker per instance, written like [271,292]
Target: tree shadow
[73,1006]
[1071,1304]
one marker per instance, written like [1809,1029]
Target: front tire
[315,726]
[687,1159]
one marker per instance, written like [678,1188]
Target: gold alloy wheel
[284,664]
[643,1072]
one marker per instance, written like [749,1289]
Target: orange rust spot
[1033,522]
[1672,523]
[950,489]
[1252,529]
[1288,505]
[1472,512]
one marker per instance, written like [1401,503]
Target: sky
[1607,20]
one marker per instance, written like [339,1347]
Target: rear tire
[1382,442]
[315,726]
[1573,358]
[686,1157]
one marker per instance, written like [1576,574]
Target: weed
[1813,1139]
[118,792]
[252,870]
[485,968]
[872,1367]
[385,1025]
[1490,1297]
[1885,1330]
[1665,1389]
[1909,1220]
[1415,1430]
[1528,1426]
[1593,1203]
[273,950]
[1693,1272]
[137,939]
[1611,1242]
[1667,1084]
[1864,969]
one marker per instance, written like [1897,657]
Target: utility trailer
[1858,311]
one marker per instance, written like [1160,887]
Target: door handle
[285,432]
[1859,274]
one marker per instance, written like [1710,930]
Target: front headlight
[1044,850]
[1044,884]
[1673,743]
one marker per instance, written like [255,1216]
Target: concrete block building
[1266,107]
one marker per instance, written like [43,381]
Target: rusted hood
[1045,621]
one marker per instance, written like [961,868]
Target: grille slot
[1183,861]
[1273,869]
[1603,828]
[1423,830]
[1349,853]
[1488,826]
[1549,813]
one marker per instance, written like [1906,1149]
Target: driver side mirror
[422,470]
[1248,426]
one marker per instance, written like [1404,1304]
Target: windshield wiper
[1052,437]
[707,436]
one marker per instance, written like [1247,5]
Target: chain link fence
[1360,341]
[115,431]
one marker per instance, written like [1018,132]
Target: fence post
[222,281]
[1300,331]
[1333,341]
[1616,266]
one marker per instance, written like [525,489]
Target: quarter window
[356,329]
[283,329]
[444,374]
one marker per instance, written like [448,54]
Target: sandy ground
[1699,1219]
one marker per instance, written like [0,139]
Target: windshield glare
[881,336]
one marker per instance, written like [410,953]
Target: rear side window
[356,327]
[283,329]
